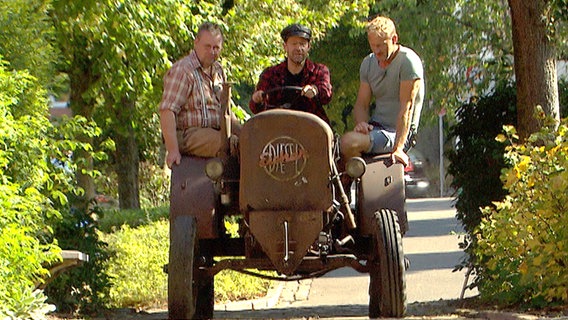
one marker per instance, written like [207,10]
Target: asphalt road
[431,244]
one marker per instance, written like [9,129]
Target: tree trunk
[535,64]
[127,159]
[80,81]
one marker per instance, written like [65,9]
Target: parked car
[417,184]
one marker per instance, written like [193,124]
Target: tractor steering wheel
[287,105]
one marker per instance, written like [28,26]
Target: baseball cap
[296,30]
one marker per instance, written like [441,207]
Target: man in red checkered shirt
[312,80]
[190,110]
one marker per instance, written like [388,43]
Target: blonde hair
[381,26]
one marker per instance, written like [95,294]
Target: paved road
[431,244]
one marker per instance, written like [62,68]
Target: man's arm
[323,85]
[361,108]
[256,103]
[408,91]
[168,125]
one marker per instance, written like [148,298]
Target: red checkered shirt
[313,73]
[193,95]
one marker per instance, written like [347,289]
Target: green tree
[36,171]
[25,34]
[465,45]
[116,53]
[535,41]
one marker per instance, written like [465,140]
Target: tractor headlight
[355,167]
[214,169]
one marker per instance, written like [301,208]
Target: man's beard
[299,59]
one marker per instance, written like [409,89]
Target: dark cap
[297,30]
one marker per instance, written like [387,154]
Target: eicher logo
[283,158]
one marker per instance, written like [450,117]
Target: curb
[266,302]
[283,292]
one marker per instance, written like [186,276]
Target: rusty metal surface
[382,186]
[309,265]
[192,194]
[285,162]
[285,236]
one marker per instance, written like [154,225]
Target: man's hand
[400,156]
[258,96]
[309,91]
[173,157]
[363,127]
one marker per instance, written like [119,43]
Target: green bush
[154,186]
[154,183]
[82,290]
[523,241]
[136,266]
[476,151]
[25,186]
[114,219]
[476,161]
[139,252]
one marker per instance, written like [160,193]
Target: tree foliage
[253,35]
[480,121]
[116,53]
[25,37]
[464,45]
[24,207]
[35,181]
[36,171]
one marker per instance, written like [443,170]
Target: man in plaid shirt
[297,71]
[190,109]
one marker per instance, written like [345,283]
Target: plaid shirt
[279,76]
[193,95]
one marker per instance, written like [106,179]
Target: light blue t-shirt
[385,84]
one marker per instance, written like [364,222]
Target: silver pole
[441,127]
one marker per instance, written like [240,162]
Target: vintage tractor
[295,216]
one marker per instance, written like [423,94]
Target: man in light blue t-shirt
[394,76]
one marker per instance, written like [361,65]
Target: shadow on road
[432,227]
[433,261]
[315,312]
[340,311]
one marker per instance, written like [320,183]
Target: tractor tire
[204,291]
[183,244]
[387,296]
